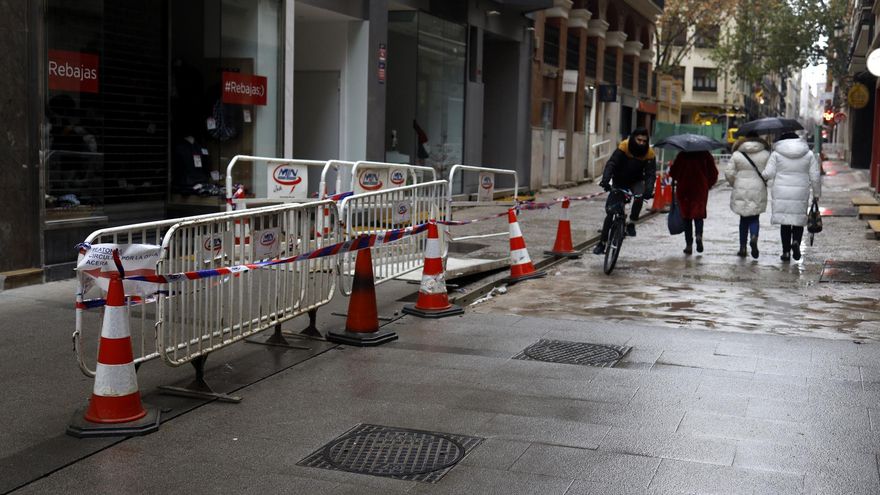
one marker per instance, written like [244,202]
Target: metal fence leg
[277,339]
[312,331]
[199,388]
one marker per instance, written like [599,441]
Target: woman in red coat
[694,173]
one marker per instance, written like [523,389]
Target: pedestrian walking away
[749,196]
[793,173]
[694,173]
[632,166]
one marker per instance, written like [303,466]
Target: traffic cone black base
[512,280]
[81,428]
[361,339]
[452,310]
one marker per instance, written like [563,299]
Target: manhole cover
[864,272]
[581,353]
[399,453]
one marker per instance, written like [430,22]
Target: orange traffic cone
[667,192]
[521,267]
[659,195]
[433,301]
[562,248]
[362,324]
[115,406]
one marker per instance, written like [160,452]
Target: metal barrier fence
[199,316]
[375,176]
[482,199]
[284,172]
[599,154]
[143,314]
[374,212]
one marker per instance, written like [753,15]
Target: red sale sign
[73,71]
[244,89]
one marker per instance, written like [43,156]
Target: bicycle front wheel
[615,241]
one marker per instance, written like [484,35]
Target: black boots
[600,248]
[753,243]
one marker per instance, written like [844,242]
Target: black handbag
[814,220]
[674,222]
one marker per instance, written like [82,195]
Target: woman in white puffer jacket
[749,196]
[793,173]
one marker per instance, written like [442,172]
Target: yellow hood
[624,147]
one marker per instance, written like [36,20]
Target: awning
[647,107]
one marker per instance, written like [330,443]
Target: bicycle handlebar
[626,193]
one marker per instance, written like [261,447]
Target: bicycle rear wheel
[615,241]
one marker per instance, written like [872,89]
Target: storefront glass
[425,110]
[225,95]
[147,102]
[104,140]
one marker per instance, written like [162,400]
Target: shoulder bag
[674,222]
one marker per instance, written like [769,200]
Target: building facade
[121,112]
[592,82]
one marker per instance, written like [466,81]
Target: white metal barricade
[599,155]
[479,199]
[201,315]
[142,314]
[233,203]
[362,182]
[380,211]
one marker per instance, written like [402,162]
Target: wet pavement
[742,376]
[655,282]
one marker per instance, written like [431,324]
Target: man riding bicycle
[632,166]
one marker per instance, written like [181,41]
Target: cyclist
[632,166]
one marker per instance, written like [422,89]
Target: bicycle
[617,232]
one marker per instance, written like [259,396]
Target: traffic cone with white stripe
[563,248]
[659,195]
[115,407]
[362,323]
[433,301]
[521,267]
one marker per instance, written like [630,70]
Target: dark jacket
[623,169]
[694,173]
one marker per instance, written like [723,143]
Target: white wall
[343,47]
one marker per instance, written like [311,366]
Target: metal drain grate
[864,272]
[581,353]
[399,453]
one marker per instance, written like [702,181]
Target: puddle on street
[724,297]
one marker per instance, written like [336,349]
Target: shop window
[105,130]
[572,50]
[705,79]
[426,86]
[551,45]
[225,98]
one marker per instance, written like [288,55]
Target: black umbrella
[690,142]
[769,125]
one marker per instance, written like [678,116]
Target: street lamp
[874,62]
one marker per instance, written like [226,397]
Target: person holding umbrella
[794,173]
[694,173]
[749,196]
